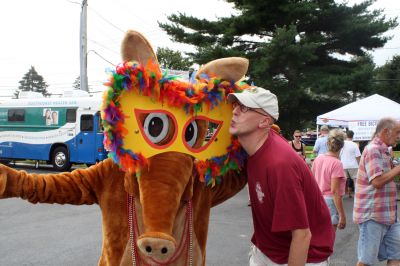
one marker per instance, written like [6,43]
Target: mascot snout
[157,247]
[163,185]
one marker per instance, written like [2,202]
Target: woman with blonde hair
[328,171]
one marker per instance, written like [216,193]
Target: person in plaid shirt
[375,203]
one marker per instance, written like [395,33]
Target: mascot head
[146,112]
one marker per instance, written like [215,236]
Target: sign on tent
[363,130]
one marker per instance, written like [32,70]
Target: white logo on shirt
[260,194]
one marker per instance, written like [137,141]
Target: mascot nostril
[148,249]
[164,250]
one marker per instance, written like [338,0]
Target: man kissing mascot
[156,188]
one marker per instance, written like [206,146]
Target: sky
[45,34]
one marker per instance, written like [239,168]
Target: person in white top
[350,157]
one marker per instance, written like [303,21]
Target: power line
[73,2]
[101,57]
[389,48]
[103,46]
[106,20]
[378,80]
[137,16]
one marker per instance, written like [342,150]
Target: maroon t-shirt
[285,196]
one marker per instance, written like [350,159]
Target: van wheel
[60,159]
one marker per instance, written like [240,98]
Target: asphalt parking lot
[51,234]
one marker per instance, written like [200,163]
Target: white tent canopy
[371,108]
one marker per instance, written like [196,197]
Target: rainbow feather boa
[149,81]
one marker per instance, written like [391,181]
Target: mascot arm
[76,187]
[232,183]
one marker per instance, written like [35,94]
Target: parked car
[309,139]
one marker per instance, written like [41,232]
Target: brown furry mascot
[156,189]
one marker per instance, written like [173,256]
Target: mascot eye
[156,126]
[191,133]
[199,132]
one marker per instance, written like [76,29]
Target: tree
[170,59]
[77,83]
[387,79]
[32,81]
[311,54]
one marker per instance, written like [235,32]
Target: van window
[87,123]
[71,116]
[100,127]
[16,115]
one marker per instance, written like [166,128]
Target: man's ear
[265,122]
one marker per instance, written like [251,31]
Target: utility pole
[83,48]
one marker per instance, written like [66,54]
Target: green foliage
[32,81]
[77,83]
[170,59]
[387,79]
[312,54]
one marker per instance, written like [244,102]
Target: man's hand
[342,222]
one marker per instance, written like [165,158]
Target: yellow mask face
[156,128]
[145,113]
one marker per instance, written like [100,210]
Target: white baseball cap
[256,97]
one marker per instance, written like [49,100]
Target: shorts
[351,173]
[332,210]
[257,258]
[378,241]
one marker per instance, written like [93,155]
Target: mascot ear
[135,47]
[229,68]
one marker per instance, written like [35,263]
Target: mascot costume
[156,188]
